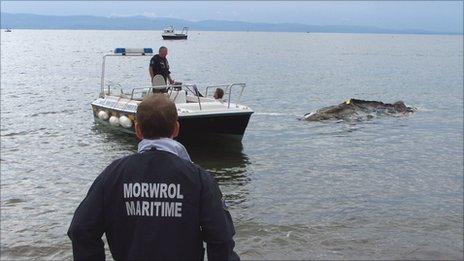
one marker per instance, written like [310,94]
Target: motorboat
[199,114]
[169,34]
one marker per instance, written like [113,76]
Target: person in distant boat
[160,65]
[218,94]
[155,204]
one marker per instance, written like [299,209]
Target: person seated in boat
[155,204]
[159,65]
[218,94]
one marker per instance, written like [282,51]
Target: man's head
[156,118]
[163,51]
[219,93]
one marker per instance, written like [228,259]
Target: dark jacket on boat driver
[160,65]
[155,204]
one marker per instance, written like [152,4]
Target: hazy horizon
[420,15]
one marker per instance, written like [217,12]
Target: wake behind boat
[198,116]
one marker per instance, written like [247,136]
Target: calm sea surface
[387,188]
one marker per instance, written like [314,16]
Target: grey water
[385,188]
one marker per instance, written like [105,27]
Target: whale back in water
[354,108]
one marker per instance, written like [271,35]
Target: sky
[426,15]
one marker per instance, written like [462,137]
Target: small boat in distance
[169,34]
[8,30]
[200,116]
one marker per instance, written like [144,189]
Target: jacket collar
[165,144]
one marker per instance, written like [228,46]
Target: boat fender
[103,115]
[125,122]
[114,121]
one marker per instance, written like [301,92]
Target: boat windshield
[169,29]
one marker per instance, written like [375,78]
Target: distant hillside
[31,21]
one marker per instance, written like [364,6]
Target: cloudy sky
[426,15]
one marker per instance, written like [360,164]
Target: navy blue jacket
[160,66]
[153,205]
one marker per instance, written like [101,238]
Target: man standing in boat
[155,204]
[159,65]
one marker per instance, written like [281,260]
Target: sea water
[385,188]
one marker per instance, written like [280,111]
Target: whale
[355,109]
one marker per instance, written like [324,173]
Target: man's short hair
[156,116]
[220,93]
[161,48]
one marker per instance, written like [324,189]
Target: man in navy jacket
[155,204]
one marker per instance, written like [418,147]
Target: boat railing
[121,52]
[190,88]
[169,29]
[228,91]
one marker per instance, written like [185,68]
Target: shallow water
[386,188]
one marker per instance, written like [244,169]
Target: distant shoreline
[230,31]
[141,23]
